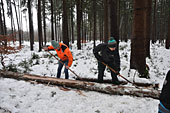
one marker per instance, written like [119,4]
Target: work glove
[117,73]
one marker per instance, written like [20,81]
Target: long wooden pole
[117,73]
[122,76]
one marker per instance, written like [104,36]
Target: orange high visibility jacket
[64,53]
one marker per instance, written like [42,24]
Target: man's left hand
[117,73]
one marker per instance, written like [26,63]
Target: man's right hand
[45,48]
[117,73]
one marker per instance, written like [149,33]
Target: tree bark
[17,17]
[72,23]
[108,89]
[113,18]
[154,24]
[39,25]
[55,19]
[4,19]
[1,23]
[147,25]
[106,20]
[65,24]
[44,22]
[155,86]
[125,31]
[138,54]
[31,28]
[94,23]
[52,27]
[11,15]
[168,37]
[79,17]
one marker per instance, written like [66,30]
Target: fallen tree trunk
[95,80]
[155,86]
[104,88]
[3,110]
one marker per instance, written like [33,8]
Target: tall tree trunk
[20,21]
[118,18]
[114,24]
[31,29]
[1,23]
[125,22]
[72,23]
[55,19]
[147,25]
[58,24]
[90,33]
[85,27]
[161,22]
[82,28]
[137,60]
[168,36]
[65,24]
[79,24]
[44,22]
[82,22]
[94,25]
[17,17]
[100,28]
[4,19]
[13,23]
[39,25]
[52,27]
[59,28]
[154,24]
[11,15]
[106,20]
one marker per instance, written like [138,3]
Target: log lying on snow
[104,88]
[155,86]
[3,110]
[95,80]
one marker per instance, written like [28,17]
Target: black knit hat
[112,42]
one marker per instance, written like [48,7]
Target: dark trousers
[101,69]
[162,109]
[65,70]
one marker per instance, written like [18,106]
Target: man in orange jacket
[64,54]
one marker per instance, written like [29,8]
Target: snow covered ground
[24,97]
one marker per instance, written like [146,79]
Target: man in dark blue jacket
[164,106]
[107,53]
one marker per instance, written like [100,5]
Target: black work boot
[115,79]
